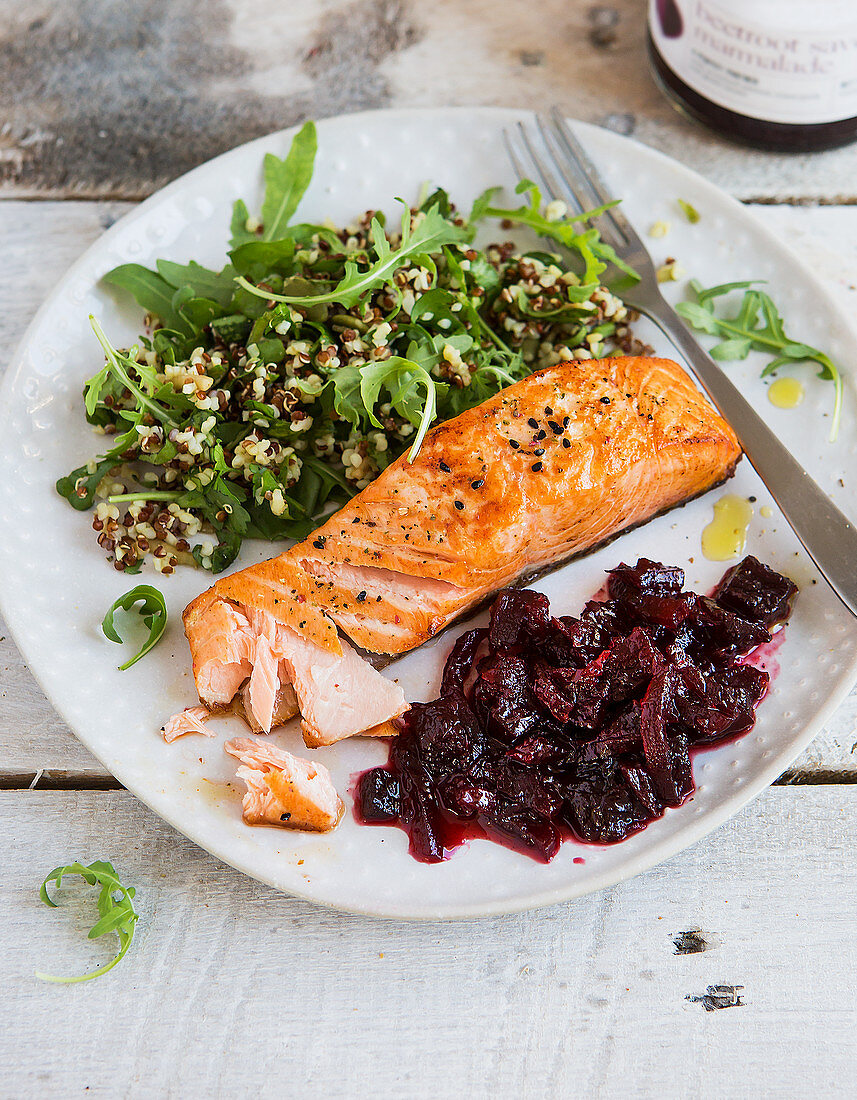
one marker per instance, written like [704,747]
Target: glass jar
[777,74]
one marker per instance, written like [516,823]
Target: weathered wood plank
[175,84]
[268,996]
[43,239]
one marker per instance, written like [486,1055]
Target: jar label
[799,68]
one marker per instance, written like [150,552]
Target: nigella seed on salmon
[566,443]
[554,427]
[361,596]
[477,484]
[444,467]
[459,504]
[533,422]
[605,400]
[539,451]
[536,467]
[319,543]
[514,444]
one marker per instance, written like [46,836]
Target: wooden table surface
[229,988]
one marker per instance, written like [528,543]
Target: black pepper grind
[775,74]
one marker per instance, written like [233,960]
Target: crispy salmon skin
[548,468]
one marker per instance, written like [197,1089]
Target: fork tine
[571,185]
[548,180]
[513,156]
[589,173]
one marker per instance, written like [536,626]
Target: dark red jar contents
[547,727]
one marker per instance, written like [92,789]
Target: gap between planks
[131,200]
[52,780]
[799,200]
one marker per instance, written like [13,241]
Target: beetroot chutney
[549,727]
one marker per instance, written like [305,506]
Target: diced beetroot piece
[447,736]
[750,685]
[682,768]
[723,633]
[640,782]
[377,795]
[502,697]
[464,798]
[503,674]
[585,637]
[459,663]
[614,618]
[536,750]
[519,828]
[609,679]
[754,591]
[557,649]
[724,706]
[561,704]
[679,650]
[600,809]
[419,811]
[654,711]
[646,578]
[668,611]
[518,784]
[518,613]
[622,735]
[425,828]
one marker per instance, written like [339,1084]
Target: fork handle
[827,535]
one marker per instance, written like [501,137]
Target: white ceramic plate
[56,583]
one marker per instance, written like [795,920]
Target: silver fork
[565,172]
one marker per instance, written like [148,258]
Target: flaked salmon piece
[283,789]
[337,696]
[285,706]
[264,683]
[222,654]
[547,469]
[189,720]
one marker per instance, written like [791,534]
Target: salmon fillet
[283,789]
[549,468]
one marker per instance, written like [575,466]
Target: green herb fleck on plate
[756,326]
[153,611]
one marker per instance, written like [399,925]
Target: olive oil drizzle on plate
[726,535]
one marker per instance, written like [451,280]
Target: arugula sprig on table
[116,911]
[756,326]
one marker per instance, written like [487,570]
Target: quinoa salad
[264,395]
